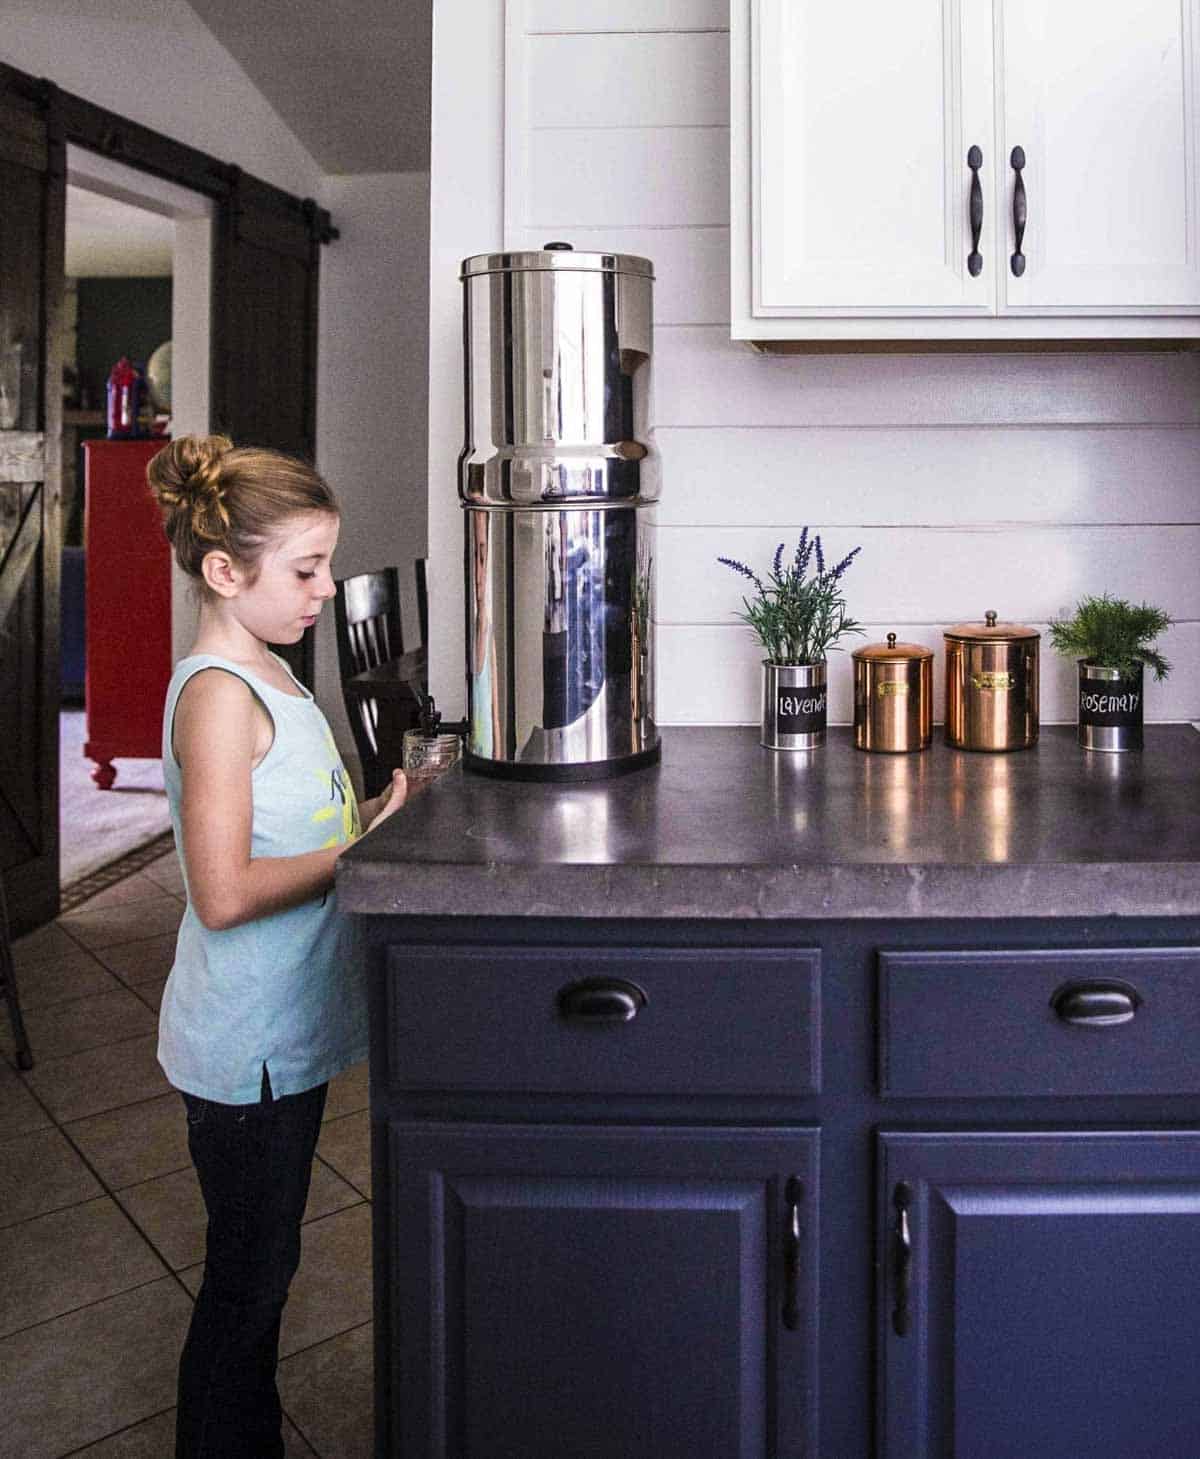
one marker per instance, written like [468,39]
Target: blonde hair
[218,497]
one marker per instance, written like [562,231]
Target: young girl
[265,1001]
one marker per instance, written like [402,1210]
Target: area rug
[99,827]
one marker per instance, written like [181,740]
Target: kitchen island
[790,1105]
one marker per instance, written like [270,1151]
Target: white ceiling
[109,238]
[350,78]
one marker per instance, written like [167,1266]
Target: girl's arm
[216,724]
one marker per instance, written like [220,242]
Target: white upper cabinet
[1102,100]
[872,142]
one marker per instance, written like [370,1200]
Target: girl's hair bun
[216,496]
[188,471]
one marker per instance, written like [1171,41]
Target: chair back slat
[367,614]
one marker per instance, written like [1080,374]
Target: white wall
[161,66]
[1015,482]
[372,393]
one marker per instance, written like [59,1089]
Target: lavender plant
[797,617]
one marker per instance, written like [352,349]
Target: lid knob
[557,247]
[990,617]
[891,640]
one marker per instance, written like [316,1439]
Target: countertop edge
[858,892]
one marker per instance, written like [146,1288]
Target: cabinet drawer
[1120,1021]
[723,1020]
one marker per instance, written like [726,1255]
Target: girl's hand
[390,800]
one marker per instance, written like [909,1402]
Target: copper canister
[893,696]
[991,685]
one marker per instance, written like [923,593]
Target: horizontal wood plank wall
[1010,481]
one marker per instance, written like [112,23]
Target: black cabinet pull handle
[1097,1004]
[1020,209]
[601,1000]
[975,258]
[793,1195]
[902,1200]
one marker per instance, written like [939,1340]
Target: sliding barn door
[264,360]
[32,226]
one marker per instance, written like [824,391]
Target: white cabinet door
[863,115]
[1102,99]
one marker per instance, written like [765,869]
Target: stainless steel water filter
[555,477]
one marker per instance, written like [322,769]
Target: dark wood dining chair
[422,603]
[367,614]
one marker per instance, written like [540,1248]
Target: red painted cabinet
[128,661]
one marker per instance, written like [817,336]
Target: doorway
[138,263]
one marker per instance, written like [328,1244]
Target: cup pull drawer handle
[601,1000]
[1096,1004]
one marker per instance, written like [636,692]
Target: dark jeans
[254,1162]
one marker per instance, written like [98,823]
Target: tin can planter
[1111,710]
[794,706]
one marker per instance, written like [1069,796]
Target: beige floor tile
[170,1211]
[83,1023]
[83,1376]
[56,1263]
[155,1439]
[45,945]
[329,1392]
[40,1172]
[136,888]
[143,961]
[73,975]
[332,1290]
[19,1111]
[165,871]
[151,992]
[346,1145]
[191,1277]
[137,1142]
[99,1079]
[349,1092]
[328,1193]
[133,922]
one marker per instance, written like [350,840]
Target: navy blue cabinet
[602,1229]
[1040,1296]
[598,1292]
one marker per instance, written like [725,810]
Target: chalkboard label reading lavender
[1110,704]
[800,710]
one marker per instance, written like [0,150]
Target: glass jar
[426,756]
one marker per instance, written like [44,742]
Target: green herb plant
[1113,634]
[797,617]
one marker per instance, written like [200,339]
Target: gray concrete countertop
[725,829]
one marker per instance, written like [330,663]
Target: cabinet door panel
[863,118]
[1054,1306]
[1102,98]
[595,1292]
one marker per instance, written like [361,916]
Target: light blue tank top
[287,990]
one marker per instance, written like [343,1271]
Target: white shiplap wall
[1017,482]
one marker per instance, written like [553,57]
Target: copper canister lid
[892,650]
[989,631]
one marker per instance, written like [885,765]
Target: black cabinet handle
[601,1000]
[793,1195]
[1096,1004]
[902,1200]
[975,258]
[1020,210]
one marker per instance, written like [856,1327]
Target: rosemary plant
[797,618]
[1114,634]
